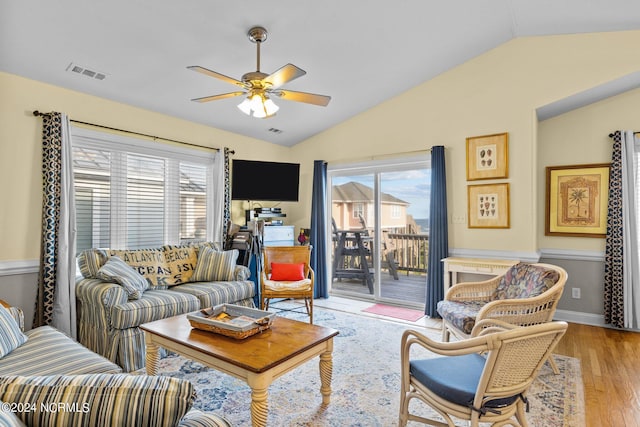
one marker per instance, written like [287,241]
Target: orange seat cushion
[287,272]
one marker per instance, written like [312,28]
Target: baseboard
[13,268]
[579,317]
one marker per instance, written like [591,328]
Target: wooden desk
[455,265]
[350,243]
[257,360]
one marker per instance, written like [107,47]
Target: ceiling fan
[259,87]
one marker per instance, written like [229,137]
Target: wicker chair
[300,285]
[527,294]
[481,379]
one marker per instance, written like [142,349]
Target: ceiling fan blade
[210,73]
[283,75]
[309,98]
[217,97]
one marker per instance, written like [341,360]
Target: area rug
[396,312]
[365,385]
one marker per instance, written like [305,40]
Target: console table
[455,265]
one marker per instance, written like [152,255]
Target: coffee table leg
[259,406]
[152,356]
[326,371]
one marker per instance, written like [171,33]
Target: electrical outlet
[575,293]
[458,219]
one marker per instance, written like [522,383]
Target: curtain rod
[382,156]
[39,114]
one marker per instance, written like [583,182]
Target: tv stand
[251,214]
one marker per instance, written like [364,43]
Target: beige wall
[20,155]
[582,137]
[496,92]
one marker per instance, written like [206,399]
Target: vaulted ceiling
[360,52]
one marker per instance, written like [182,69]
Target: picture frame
[488,157]
[488,206]
[576,200]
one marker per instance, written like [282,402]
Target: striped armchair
[47,379]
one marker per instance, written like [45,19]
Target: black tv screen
[269,181]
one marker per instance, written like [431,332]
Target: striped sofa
[109,316]
[51,380]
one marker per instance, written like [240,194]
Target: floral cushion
[524,281]
[461,315]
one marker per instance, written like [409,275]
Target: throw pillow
[90,261]
[11,337]
[150,263]
[287,272]
[116,270]
[181,261]
[214,265]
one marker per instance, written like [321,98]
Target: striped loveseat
[161,282]
[47,379]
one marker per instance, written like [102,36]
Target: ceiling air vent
[274,130]
[86,72]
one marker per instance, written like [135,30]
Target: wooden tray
[203,320]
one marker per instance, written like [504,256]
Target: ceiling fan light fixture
[259,106]
[245,106]
[270,107]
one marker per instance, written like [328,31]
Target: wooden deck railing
[410,251]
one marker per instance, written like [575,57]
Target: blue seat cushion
[454,378]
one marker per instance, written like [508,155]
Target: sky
[413,186]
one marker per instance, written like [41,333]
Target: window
[392,196]
[131,193]
[358,210]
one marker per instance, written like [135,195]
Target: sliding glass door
[379,230]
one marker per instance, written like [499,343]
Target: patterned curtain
[55,300]
[227,194]
[622,274]
[317,236]
[613,267]
[438,232]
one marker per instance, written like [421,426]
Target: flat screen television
[268,181]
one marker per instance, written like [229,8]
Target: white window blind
[131,193]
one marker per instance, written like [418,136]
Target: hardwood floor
[610,362]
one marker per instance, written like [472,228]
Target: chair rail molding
[13,268]
[481,253]
[572,254]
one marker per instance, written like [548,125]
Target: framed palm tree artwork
[576,200]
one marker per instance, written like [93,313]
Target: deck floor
[409,289]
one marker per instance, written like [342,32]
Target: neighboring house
[352,200]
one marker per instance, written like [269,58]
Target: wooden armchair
[481,379]
[286,273]
[527,294]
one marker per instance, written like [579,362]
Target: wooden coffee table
[258,360]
